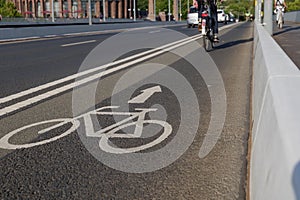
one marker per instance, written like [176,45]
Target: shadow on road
[296,180]
[286,29]
[233,43]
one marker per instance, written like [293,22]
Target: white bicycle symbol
[135,118]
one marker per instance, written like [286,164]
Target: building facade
[75,8]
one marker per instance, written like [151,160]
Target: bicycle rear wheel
[207,41]
[280,20]
[5,143]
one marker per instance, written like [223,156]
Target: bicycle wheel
[207,41]
[5,144]
[280,23]
[280,20]
[104,142]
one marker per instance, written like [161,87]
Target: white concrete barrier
[293,16]
[275,153]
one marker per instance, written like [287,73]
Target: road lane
[44,61]
[66,170]
[137,58]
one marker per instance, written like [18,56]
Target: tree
[162,6]
[239,7]
[142,4]
[8,9]
[293,5]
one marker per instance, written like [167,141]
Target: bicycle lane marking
[104,134]
[146,94]
[141,94]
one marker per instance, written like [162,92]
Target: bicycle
[280,10]
[104,134]
[207,32]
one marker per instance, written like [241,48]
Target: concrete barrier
[293,16]
[275,153]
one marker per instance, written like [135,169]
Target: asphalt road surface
[191,144]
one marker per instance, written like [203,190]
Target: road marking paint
[78,43]
[77,75]
[96,32]
[16,39]
[146,94]
[151,53]
[155,31]
[47,36]
[38,98]
[86,33]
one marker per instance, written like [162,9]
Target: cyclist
[279,4]
[214,15]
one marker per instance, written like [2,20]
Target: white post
[134,10]
[268,12]
[103,7]
[169,14]
[52,11]
[180,10]
[90,12]
[154,5]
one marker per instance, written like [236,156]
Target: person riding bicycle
[214,15]
[279,4]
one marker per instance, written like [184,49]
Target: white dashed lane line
[78,43]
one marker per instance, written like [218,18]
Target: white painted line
[16,39]
[36,99]
[78,43]
[50,36]
[96,32]
[71,34]
[77,75]
[155,31]
[74,76]
[87,33]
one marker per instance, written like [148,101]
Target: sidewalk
[289,40]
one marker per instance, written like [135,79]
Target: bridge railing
[275,152]
[293,16]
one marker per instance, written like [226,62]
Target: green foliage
[184,10]
[239,7]
[293,5]
[8,9]
[142,4]
[236,7]
[162,6]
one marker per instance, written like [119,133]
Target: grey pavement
[289,40]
